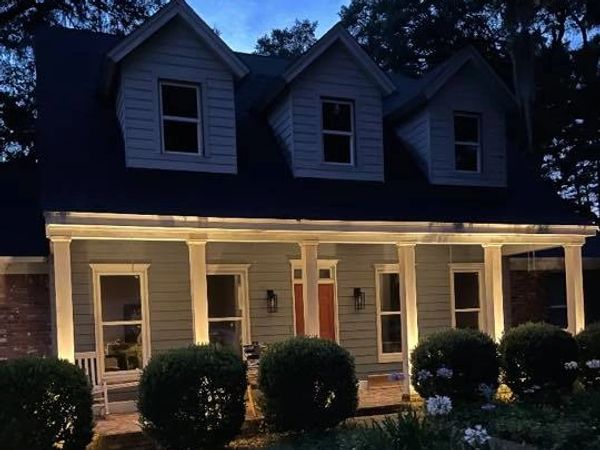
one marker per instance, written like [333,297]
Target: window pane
[466,129]
[122,347]
[391,334]
[180,136]
[337,116]
[297,274]
[337,148]
[227,334]
[557,316]
[222,296]
[179,101]
[467,320]
[466,157]
[121,298]
[466,290]
[325,274]
[390,292]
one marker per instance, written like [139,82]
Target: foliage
[18,21]
[455,363]
[534,358]
[193,398]
[288,42]
[588,341]
[44,404]
[307,383]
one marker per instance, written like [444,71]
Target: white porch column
[494,293]
[574,283]
[310,292]
[63,297]
[198,285]
[408,307]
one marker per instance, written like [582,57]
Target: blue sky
[241,22]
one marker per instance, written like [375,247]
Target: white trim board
[381,269]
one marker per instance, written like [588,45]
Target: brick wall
[24,315]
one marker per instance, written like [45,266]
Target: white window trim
[141,270]
[350,133]
[381,269]
[477,143]
[330,264]
[197,120]
[240,270]
[468,268]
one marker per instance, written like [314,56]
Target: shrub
[588,342]
[455,363]
[193,398]
[534,359]
[44,404]
[307,383]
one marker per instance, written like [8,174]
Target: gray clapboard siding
[466,91]
[280,120]
[335,74]
[175,53]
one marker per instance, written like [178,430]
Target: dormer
[454,121]
[174,84]
[329,116]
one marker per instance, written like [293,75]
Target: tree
[288,42]
[18,21]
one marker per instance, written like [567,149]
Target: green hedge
[307,383]
[193,398]
[455,363]
[44,404]
[588,342]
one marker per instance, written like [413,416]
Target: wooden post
[574,283]
[408,306]
[63,297]
[494,294]
[310,293]
[198,286]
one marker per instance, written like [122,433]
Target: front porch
[128,288]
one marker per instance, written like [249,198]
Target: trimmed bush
[193,398]
[307,383]
[44,404]
[534,358]
[455,363]
[588,342]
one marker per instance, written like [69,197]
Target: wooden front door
[326,310]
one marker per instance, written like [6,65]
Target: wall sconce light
[359,299]
[272,303]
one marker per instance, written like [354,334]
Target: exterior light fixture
[272,304]
[359,299]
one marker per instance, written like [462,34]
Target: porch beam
[199,290]
[310,292]
[408,307]
[494,292]
[574,283]
[63,298]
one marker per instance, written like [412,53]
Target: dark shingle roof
[83,163]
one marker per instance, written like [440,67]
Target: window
[389,316]
[121,324]
[338,133]
[226,310]
[466,297]
[467,144]
[180,118]
[555,297]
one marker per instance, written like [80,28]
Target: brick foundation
[24,315]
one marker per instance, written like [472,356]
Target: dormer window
[338,131]
[180,118]
[467,142]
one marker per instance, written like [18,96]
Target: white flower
[593,364]
[532,389]
[438,405]
[476,436]
[423,375]
[571,365]
[444,372]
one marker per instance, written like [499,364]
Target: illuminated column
[197,256]
[63,298]
[494,295]
[310,291]
[574,282]
[408,299]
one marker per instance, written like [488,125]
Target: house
[190,194]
